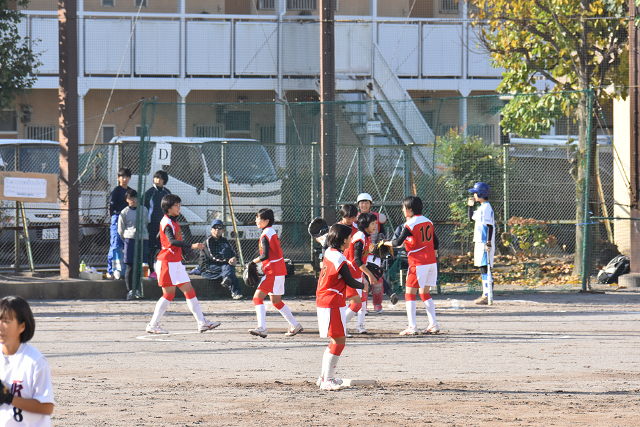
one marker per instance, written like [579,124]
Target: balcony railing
[243,45]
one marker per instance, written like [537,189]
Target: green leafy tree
[576,45]
[18,63]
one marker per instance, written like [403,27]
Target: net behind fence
[270,154]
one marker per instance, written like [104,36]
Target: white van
[195,167]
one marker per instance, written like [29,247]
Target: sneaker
[377,309]
[117,274]
[483,300]
[432,329]
[129,295]
[236,296]
[108,276]
[331,384]
[259,332]
[410,331]
[489,301]
[394,298]
[195,272]
[156,329]
[293,330]
[138,295]
[153,276]
[361,329]
[207,325]
[348,335]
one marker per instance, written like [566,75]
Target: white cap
[364,197]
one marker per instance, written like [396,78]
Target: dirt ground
[530,360]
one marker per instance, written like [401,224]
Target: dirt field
[530,360]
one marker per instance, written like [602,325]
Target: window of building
[238,121]
[266,4]
[47,132]
[139,130]
[108,3]
[8,122]
[448,6]
[483,131]
[301,4]
[208,131]
[108,132]
[140,2]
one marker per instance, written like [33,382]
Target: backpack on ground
[614,269]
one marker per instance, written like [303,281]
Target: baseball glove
[318,227]
[382,250]
[250,275]
[375,270]
[190,255]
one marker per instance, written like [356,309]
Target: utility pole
[68,101]
[327,98]
[634,147]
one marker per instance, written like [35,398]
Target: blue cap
[216,222]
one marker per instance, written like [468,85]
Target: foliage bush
[529,235]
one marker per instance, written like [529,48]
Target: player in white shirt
[26,393]
[484,238]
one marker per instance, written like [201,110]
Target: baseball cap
[217,222]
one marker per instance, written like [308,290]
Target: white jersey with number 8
[27,374]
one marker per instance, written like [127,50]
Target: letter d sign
[163,153]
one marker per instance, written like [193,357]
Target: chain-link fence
[270,155]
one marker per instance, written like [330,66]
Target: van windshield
[244,164]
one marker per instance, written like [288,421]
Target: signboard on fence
[29,187]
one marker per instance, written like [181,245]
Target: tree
[576,45]
[18,63]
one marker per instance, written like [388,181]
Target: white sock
[325,363]
[261,314]
[411,313]
[286,313]
[361,314]
[161,307]
[332,361]
[194,306]
[350,314]
[431,311]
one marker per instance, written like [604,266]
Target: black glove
[5,395]
[318,227]
[487,247]
[375,270]
[250,275]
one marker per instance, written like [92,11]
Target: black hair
[131,194]
[349,211]
[124,172]
[365,219]
[15,307]
[168,201]
[414,203]
[266,213]
[337,234]
[161,175]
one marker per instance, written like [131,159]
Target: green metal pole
[360,185]
[505,177]
[407,171]
[223,163]
[586,217]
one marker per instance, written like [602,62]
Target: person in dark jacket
[152,201]
[218,260]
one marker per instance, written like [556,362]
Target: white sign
[163,153]
[374,127]
[50,234]
[31,188]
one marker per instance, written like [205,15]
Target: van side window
[186,165]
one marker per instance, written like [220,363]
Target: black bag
[614,269]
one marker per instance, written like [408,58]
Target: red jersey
[332,289]
[169,253]
[274,265]
[419,245]
[380,224]
[349,253]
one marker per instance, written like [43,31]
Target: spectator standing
[117,202]
[152,201]
[127,231]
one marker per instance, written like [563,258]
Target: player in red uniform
[272,283]
[335,280]
[171,273]
[357,254]
[421,244]
[349,214]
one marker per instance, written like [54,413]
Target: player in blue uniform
[484,238]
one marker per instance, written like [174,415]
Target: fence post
[223,165]
[505,178]
[586,271]
[16,236]
[360,185]
[407,170]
